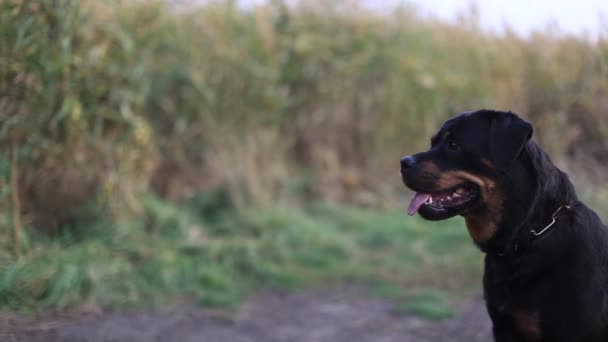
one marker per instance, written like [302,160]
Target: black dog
[546,262]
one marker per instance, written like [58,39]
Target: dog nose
[407,162]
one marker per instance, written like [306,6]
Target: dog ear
[508,136]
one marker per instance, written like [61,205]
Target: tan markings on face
[527,323]
[481,223]
[488,163]
[429,167]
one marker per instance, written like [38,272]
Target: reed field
[151,150]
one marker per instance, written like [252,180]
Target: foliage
[218,256]
[105,100]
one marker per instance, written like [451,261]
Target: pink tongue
[417,202]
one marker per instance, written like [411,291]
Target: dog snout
[407,162]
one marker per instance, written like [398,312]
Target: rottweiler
[546,253]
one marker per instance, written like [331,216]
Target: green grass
[428,303]
[432,305]
[208,250]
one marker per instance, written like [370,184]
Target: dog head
[466,171]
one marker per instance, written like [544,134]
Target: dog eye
[453,146]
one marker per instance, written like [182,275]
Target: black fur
[561,277]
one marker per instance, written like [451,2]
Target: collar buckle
[553,219]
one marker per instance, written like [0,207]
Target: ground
[306,315]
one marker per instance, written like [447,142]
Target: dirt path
[309,316]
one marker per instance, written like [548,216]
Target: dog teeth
[456,194]
[460,191]
[430,200]
[449,198]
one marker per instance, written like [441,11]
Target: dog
[546,253]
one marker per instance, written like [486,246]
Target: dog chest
[527,322]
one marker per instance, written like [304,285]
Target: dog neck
[532,205]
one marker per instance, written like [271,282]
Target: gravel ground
[310,316]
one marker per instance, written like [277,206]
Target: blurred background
[153,150]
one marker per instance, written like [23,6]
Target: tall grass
[103,100]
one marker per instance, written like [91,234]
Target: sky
[524,15]
[572,16]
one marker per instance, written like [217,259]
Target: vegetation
[152,148]
[209,250]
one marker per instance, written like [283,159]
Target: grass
[101,100]
[208,250]
[431,305]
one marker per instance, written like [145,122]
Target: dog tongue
[417,202]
